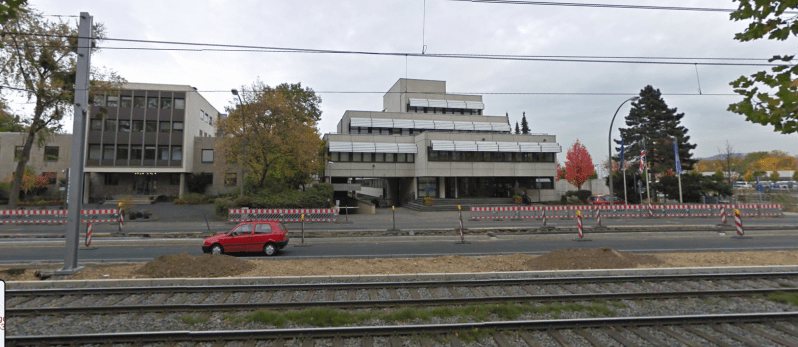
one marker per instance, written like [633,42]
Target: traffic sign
[760,188]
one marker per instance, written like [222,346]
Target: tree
[774,176]
[694,186]
[730,163]
[795,175]
[748,177]
[8,121]
[579,166]
[39,58]
[516,129]
[524,124]
[278,127]
[9,10]
[651,121]
[776,103]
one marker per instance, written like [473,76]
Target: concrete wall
[217,167]
[8,142]
[597,186]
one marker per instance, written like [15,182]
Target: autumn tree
[748,177]
[579,166]
[774,176]
[39,58]
[769,98]
[524,124]
[730,162]
[273,135]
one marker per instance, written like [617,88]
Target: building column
[415,187]
[182,189]
[456,192]
[442,188]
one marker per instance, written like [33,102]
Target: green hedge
[315,197]
[195,199]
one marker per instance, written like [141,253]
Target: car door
[238,238]
[263,234]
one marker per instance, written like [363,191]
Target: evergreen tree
[516,129]
[524,124]
[651,120]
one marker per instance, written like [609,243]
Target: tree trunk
[16,184]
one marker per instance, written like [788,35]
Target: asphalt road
[109,250]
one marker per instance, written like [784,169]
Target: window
[51,153]
[379,157]
[401,158]
[166,103]
[177,127]
[165,128]
[99,100]
[96,124]
[367,157]
[125,101]
[263,228]
[110,125]
[52,177]
[345,156]
[124,125]
[108,152]
[151,126]
[152,102]
[335,156]
[411,157]
[138,102]
[163,152]
[177,153]
[18,152]
[121,152]
[207,156]
[112,101]
[111,179]
[149,152]
[357,157]
[433,155]
[389,157]
[507,156]
[137,126]
[174,179]
[230,179]
[94,152]
[135,153]
[180,104]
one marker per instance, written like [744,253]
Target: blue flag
[677,161]
[620,155]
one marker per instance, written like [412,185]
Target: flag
[642,160]
[620,156]
[677,161]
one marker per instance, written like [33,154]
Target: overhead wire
[612,6]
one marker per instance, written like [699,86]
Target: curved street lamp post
[609,148]
[243,146]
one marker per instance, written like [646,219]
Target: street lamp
[243,146]
[609,147]
[330,171]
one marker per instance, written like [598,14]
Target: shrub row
[319,196]
[194,199]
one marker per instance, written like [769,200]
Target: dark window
[547,157]
[345,156]
[507,156]
[165,127]
[367,157]
[166,103]
[135,153]
[125,101]
[180,104]
[263,228]
[401,158]
[113,101]
[458,156]
[152,102]
[390,157]
[111,179]
[411,157]
[433,155]
[138,102]
[177,153]
[379,157]
[230,179]
[137,126]
[149,152]
[442,156]
[94,152]
[124,125]
[207,156]
[357,157]
[177,127]
[151,126]
[121,152]
[496,156]
[108,151]
[486,156]
[174,179]
[50,153]
[18,152]
[96,124]
[110,125]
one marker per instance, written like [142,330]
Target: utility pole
[75,184]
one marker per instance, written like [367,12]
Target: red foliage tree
[579,166]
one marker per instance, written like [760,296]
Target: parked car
[604,200]
[260,236]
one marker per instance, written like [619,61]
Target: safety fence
[58,216]
[284,215]
[620,211]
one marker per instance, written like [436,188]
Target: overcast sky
[452,28]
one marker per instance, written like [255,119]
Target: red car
[604,200]
[260,236]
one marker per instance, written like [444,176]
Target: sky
[452,27]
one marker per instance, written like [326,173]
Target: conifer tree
[517,131]
[524,124]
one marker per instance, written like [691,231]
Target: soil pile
[591,258]
[185,265]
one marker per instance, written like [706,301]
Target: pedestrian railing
[620,211]
[284,215]
[57,216]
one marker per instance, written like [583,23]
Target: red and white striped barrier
[57,216]
[598,216]
[738,222]
[579,224]
[723,214]
[88,235]
[121,219]
[650,210]
[285,215]
[544,217]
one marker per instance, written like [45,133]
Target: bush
[315,197]
[195,199]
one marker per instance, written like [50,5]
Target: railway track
[624,322]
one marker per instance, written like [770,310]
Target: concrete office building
[426,142]
[52,159]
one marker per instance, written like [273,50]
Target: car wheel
[217,249]
[269,249]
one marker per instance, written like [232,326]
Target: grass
[785,298]
[327,317]
[193,320]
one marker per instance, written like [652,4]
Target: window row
[135,126]
[514,157]
[112,179]
[139,102]
[358,157]
[434,110]
[50,153]
[136,152]
[403,131]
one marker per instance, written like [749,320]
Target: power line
[613,6]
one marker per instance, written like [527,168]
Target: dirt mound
[185,265]
[591,258]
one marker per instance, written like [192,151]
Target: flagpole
[625,200]
[678,163]
[680,189]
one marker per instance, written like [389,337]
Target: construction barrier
[738,222]
[88,235]
[283,215]
[579,224]
[620,211]
[57,216]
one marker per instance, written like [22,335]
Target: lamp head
[234,91]
[633,99]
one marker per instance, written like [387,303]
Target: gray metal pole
[609,148]
[75,185]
